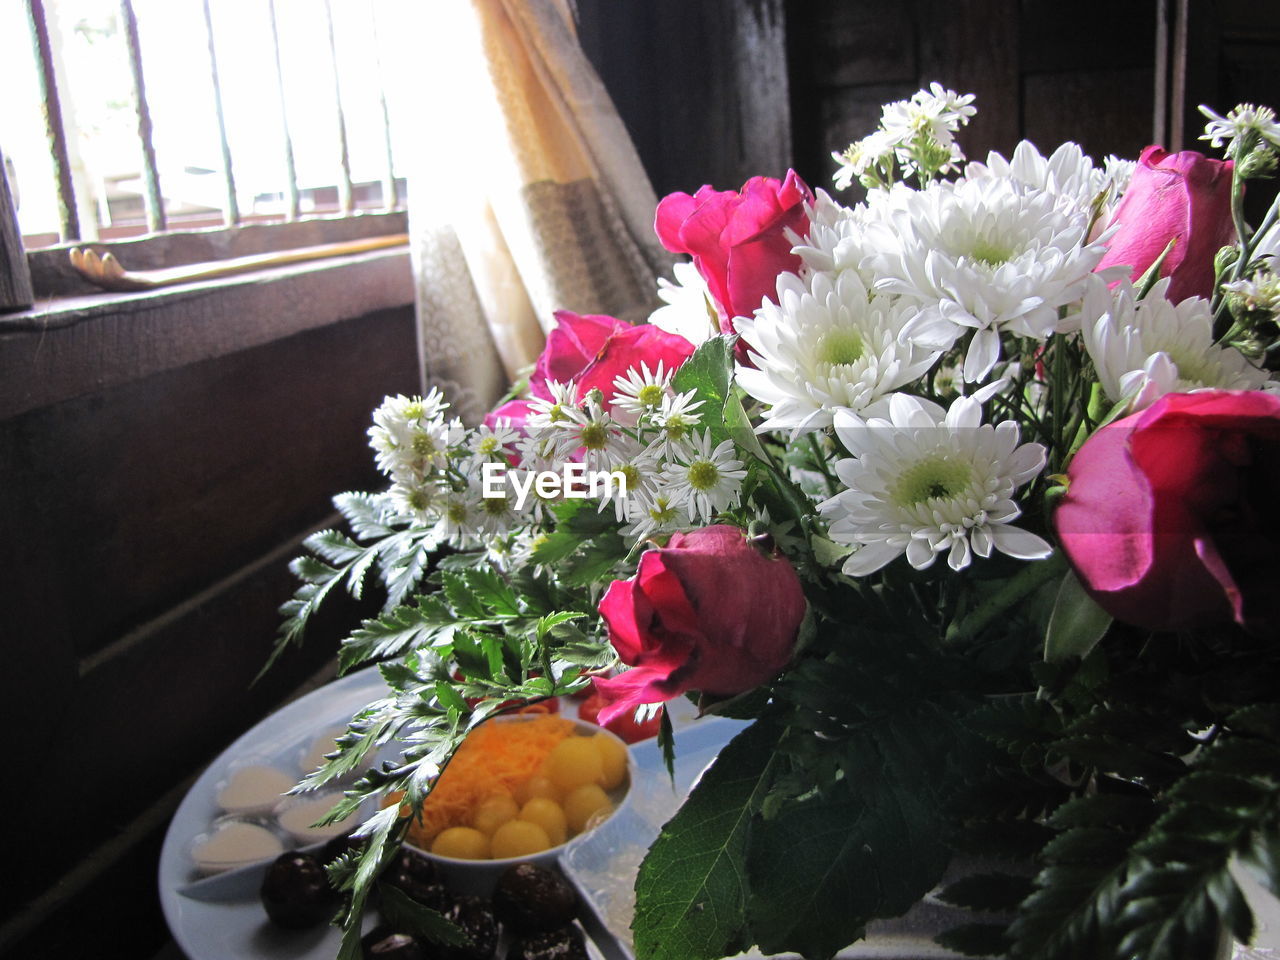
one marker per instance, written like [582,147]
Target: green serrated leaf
[691,890]
[1077,622]
[409,916]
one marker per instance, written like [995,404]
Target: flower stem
[820,459]
[1033,576]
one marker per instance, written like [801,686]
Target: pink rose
[709,612]
[1185,197]
[1169,518]
[593,350]
[737,240]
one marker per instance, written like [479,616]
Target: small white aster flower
[493,443]
[983,255]
[675,421]
[420,500]
[550,412]
[862,155]
[827,344]
[1143,349]
[396,424]
[926,482]
[1240,121]
[588,434]
[649,516]
[642,390]
[1259,292]
[687,311]
[493,516]
[937,113]
[640,468]
[706,480]
[457,520]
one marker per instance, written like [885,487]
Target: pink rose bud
[709,612]
[1170,516]
[1184,197]
[737,240]
[594,350]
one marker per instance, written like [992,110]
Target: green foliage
[691,892]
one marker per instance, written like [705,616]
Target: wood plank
[119,504]
[1105,111]
[843,43]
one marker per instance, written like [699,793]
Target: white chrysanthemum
[641,390]
[1067,173]
[927,482]
[688,312]
[1143,349]
[705,479]
[1119,172]
[1240,121]
[836,240]
[981,254]
[826,345]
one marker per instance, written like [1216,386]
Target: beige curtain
[528,197]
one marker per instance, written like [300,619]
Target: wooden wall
[145,532]
[1047,72]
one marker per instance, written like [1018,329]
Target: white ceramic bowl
[479,877]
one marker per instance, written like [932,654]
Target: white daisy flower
[925,482]
[1143,349]
[494,516]
[409,431]
[650,516]
[457,521]
[705,480]
[642,390]
[936,113]
[675,421]
[1241,121]
[544,413]
[980,254]
[688,311]
[493,443]
[417,499]
[857,158]
[827,344]
[588,434]
[641,469]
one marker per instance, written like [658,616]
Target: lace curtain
[529,196]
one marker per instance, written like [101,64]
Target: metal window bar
[68,219]
[346,195]
[230,205]
[150,174]
[390,190]
[293,201]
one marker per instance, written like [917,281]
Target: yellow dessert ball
[581,803]
[461,843]
[537,786]
[492,812]
[573,762]
[613,759]
[547,814]
[519,838]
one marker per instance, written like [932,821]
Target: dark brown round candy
[296,892]
[475,917]
[384,944]
[530,897]
[563,943]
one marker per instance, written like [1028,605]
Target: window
[130,118]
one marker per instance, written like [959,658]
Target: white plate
[230,929]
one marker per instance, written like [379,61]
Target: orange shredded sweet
[495,758]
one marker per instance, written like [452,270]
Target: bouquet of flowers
[961,495]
